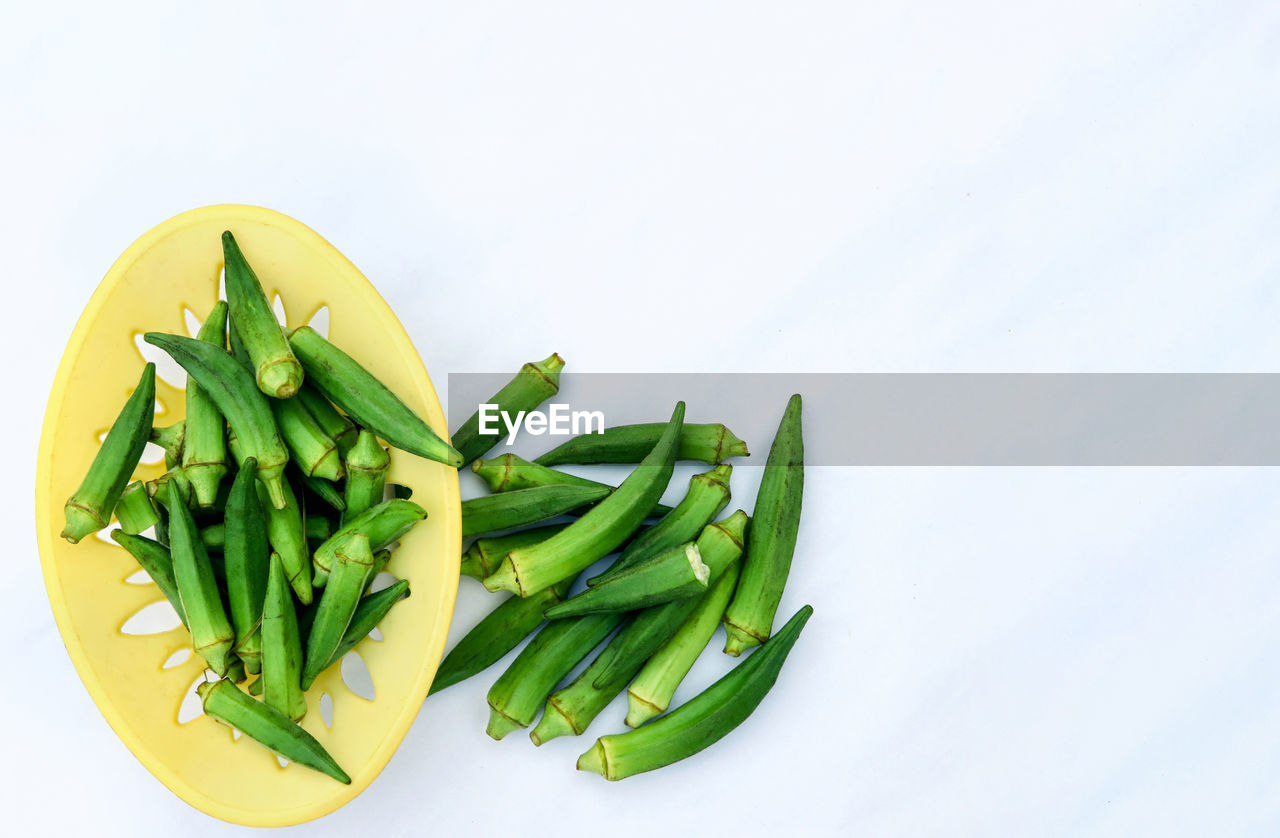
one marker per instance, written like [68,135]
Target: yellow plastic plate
[175,266]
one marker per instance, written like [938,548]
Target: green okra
[383,524]
[134,510]
[263,723]
[650,693]
[367,464]
[498,633]
[677,573]
[211,632]
[247,560]
[532,385]
[515,697]
[214,535]
[175,478]
[156,560]
[369,613]
[276,371]
[364,398]
[708,494]
[246,410]
[340,428]
[484,554]
[204,446]
[313,451]
[323,489]
[508,472]
[170,438]
[703,720]
[711,444]
[599,531]
[774,525]
[352,567]
[572,709]
[281,646]
[89,508]
[492,513]
[249,651]
[287,535]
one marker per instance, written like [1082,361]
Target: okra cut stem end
[81,521]
[639,711]
[596,761]
[280,378]
[739,640]
[500,724]
[553,724]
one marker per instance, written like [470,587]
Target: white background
[842,187]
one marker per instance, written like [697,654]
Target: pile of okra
[273,517]
[676,574]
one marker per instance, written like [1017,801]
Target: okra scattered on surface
[494,513]
[711,444]
[532,385]
[484,554]
[673,574]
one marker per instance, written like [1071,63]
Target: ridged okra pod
[515,697]
[507,473]
[774,525]
[708,494]
[214,535]
[211,632]
[238,400]
[492,513]
[89,508]
[710,444]
[498,633]
[650,693]
[170,438]
[263,723]
[532,385]
[600,530]
[383,524]
[313,451]
[281,647]
[342,380]
[485,554]
[204,446]
[156,560]
[573,708]
[340,428]
[276,371]
[352,567]
[703,720]
[369,613]
[677,573]
[247,559]
[287,535]
[367,464]
[134,510]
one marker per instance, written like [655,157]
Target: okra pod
[515,697]
[677,573]
[383,524]
[89,508]
[211,633]
[340,428]
[281,646]
[134,510]
[599,531]
[369,613]
[246,410]
[323,489]
[156,560]
[247,559]
[214,535]
[508,472]
[491,513]
[364,398]
[170,439]
[352,567]
[276,371]
[498,633]
[708,494]
[532,385]
[650,693]
[204,447]
[313,451]
[367,464]
[700,722]
[711,444]
[287,535]
[774,525]
[484,554]
[263,723]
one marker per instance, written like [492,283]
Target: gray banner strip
[991,419]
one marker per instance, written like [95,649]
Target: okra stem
[134,510]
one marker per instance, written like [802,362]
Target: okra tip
[553,724]
[80,522]
[596,761]
[500,724]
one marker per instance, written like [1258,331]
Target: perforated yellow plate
[176,266]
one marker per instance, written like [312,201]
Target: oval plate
[178,265]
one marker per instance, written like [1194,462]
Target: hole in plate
[277,305]
[326,709]
[178,658]
[397,490]
[152,454]
[356,675]
[320,321]
[191,708]
[284,763]
[381,581]
[376,635]
[104,534]
[138,577]
[235,734]
[222,281]
[193,322]
[156,618]
[167,369]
